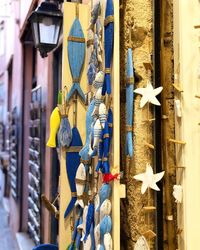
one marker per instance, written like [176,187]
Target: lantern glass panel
[49,30]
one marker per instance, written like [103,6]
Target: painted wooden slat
[65,195]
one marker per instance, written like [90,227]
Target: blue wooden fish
[100,153]
[72,164]
[106,144]
[89,220]
[76,56]
[96,11]
[104,193]
[75,232]
[105,225]
[129,103]
[110,125]
[79,235]
[89,119]
[108,45]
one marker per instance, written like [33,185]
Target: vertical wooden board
[116,131]
[65,193]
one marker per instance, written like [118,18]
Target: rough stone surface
[136,33]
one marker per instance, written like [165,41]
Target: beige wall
[186,15]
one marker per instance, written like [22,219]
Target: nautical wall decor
[86,208]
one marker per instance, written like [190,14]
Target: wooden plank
[116,131]
[65,196]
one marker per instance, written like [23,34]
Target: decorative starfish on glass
[149,179]
[149,94]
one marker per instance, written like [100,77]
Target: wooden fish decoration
[100,247]
[141,244]
[100,153]
[83,225]
[96,205]
[107,240]
[89,119]
[80,184]
[105,225]
[129,103]
[79,234]
[103,114]
[99,80]
[74,234]
[108,45]
[97,100]
[105,208]
[88,244]
[89,219]
[96,11]
[72,164]
[97,132]
[54,126]
[97,235]
[104,193]
[76,56]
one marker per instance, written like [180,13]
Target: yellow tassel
[54,126]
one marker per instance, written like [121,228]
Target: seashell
[107,241]
[102,114]
[141,244]
[97,235]
[178,109]
[105,208]
[99,79]
[178,193]
[80,184]
[97,132]
[97,101]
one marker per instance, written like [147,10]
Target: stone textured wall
[136,33]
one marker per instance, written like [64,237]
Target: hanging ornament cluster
[89,180]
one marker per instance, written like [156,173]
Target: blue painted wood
[108,46]
[129,103]
[46,247]
[76,57]
[72,163]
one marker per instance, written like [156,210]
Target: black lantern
[46,22]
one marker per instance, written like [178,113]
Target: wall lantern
[46,22]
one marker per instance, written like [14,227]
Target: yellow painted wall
[187,52]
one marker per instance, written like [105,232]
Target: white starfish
[149,94]
[149,179]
